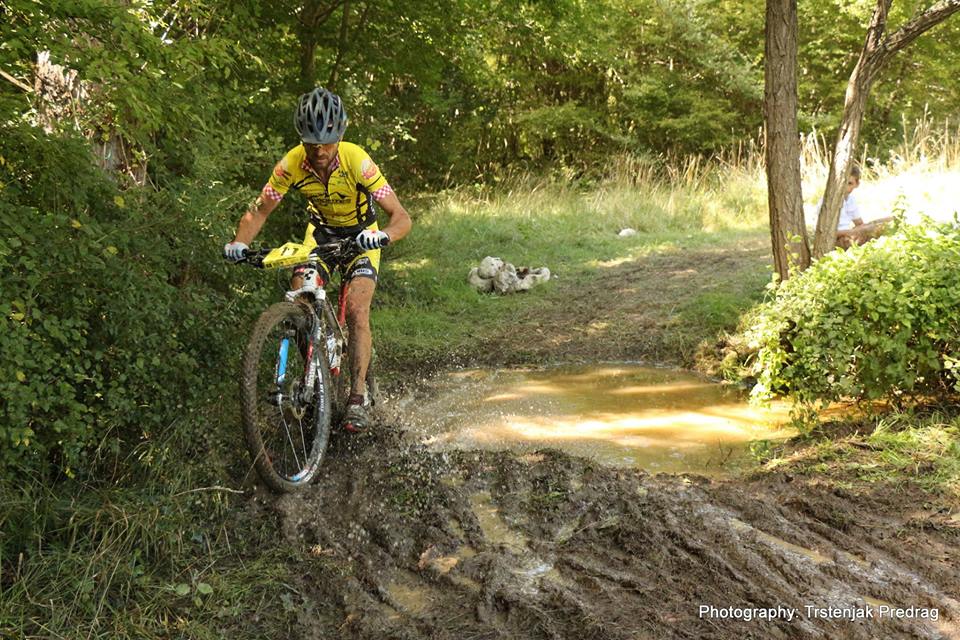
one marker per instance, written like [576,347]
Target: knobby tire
[258,413]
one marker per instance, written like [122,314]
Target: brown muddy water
[623,415]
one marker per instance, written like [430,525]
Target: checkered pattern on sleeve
[269,193]
[382,192]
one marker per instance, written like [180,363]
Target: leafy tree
[878,49]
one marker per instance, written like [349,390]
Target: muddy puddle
[622,415]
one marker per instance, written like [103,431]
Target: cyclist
[341,184]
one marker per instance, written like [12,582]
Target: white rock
[523,284]
[626,233]
[490,266]
[483,285]
[506,279]
[539,275]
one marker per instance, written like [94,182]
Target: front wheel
[286,414]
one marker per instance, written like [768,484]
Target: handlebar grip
[385,241]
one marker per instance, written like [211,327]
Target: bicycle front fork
[276,395]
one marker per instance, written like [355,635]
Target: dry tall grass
[727,191]
[920,176]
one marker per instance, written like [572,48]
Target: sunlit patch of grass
[425,308]
[902,447]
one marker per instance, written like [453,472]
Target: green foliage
[876,321]
[111,324]
[463,91]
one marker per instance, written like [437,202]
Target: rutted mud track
[395,541]
[399,542]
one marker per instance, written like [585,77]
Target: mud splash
[623,415]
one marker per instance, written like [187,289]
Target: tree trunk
[787,230]
[312,17]
[341,47]
[308,65]
[877,51]
[854,105]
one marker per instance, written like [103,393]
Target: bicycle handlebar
[342,249]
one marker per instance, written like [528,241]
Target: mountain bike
[295,377]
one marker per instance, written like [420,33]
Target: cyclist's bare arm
[254,218]
[400,222]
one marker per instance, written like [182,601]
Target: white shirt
[848,213]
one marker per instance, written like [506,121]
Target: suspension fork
[310,377]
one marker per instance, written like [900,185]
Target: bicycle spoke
[293,447]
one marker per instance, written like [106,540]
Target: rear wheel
[286,418]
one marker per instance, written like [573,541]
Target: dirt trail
[630,310]
[400,542]
[396,541]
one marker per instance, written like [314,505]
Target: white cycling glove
[233,251]
[370,239]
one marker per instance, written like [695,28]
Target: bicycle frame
[295,366]
[312,288]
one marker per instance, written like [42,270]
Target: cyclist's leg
[361,275]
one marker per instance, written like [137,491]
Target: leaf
[21,376]
[118,200]
[204,588]
[182,589]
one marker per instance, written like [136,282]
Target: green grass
[164,552]
[425,309]
[902,447]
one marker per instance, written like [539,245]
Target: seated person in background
[851,229]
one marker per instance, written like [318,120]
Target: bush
[877,321]
[115,319]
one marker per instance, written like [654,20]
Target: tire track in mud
[400,542]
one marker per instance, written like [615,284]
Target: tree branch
[878,24]
[919,24]
[17,83]
[319,14]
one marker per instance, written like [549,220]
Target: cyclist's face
[321,155]
[852,183]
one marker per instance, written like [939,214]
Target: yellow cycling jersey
[345,201]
